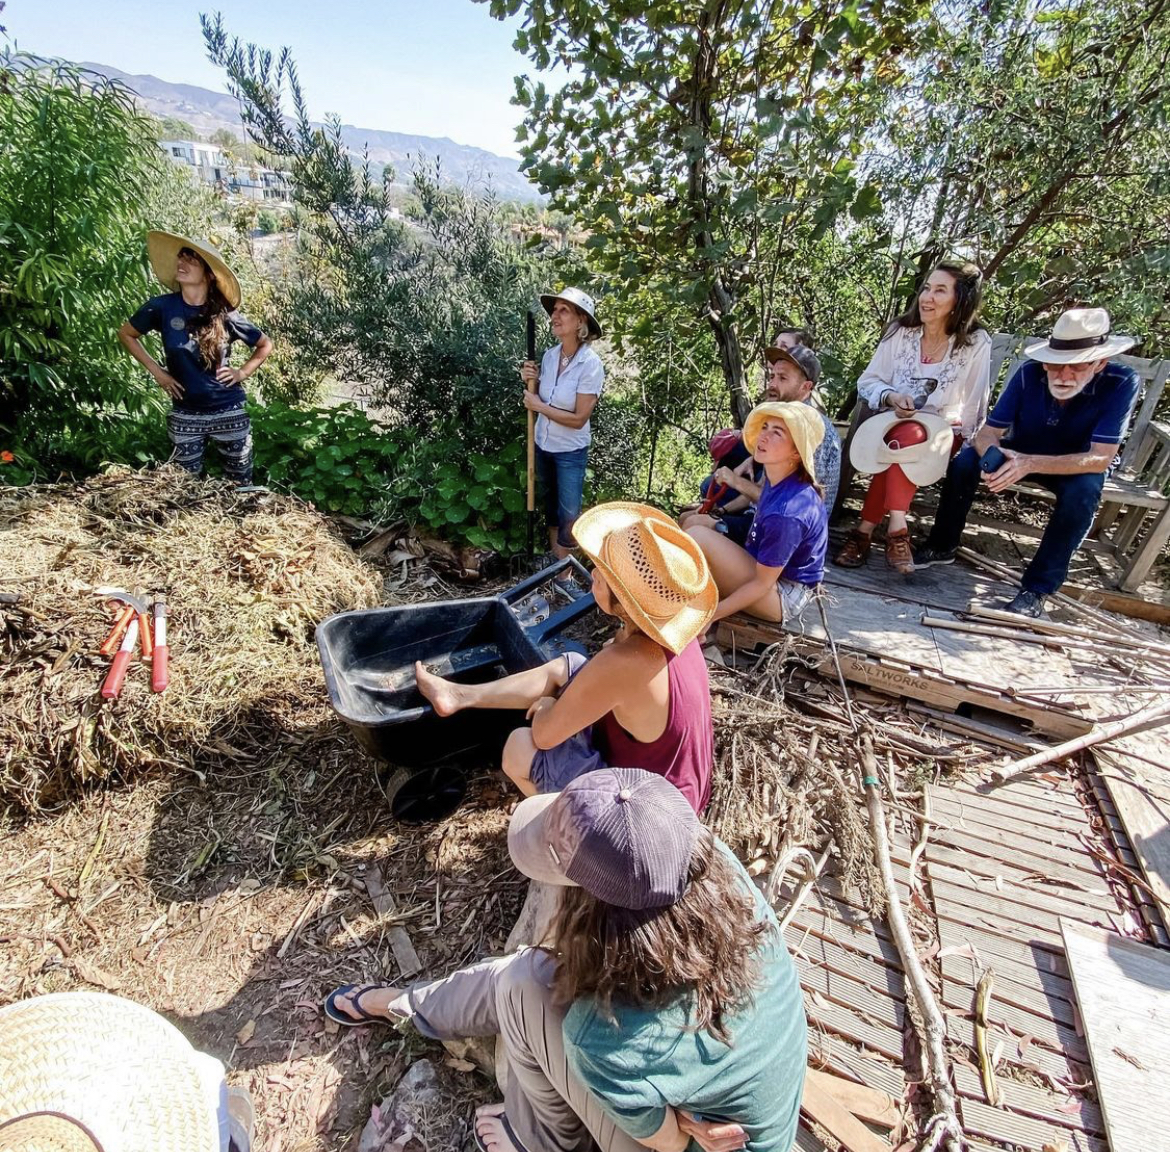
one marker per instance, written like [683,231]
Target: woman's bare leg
[732,567]
[518,691]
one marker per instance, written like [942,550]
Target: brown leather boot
[855,551]
[899,555]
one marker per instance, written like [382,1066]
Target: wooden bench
[1133,523]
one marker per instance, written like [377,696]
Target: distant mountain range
[206,111]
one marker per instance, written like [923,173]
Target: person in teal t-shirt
[666,1014]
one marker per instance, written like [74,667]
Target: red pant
[889,491]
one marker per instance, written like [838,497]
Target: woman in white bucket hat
[568,380]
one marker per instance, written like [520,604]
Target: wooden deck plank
[1007,850]
[956,810]
[1049,1062]
[1025,958]
[1009,911]
[850,994]
[865,1067]
[1144,815]
[1013,889]
[819,924]
[992,659]
[1081,888]
[1067,1110]
[834,1017]
[1024,1131]
[845,962]
[1025,794]
[1122,991]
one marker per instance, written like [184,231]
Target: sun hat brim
[548,299]
[1046,354]
[163,249]
[528,841]
[109,1065]
[922,463]
[676,631]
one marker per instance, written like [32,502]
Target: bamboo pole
[1159,712]
[1055,628]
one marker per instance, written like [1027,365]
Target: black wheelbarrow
[368,658]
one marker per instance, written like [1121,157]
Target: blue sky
[433,67]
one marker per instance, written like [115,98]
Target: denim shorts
[562,479]
[553,768]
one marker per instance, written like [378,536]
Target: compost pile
[247,577]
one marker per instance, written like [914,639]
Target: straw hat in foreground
[90,1072]
[163,249]
[657,572]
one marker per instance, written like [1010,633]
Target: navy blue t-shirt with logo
[178,322]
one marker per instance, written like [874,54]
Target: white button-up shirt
[584,375]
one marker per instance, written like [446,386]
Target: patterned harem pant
[232,432]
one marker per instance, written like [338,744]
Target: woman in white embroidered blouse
[569,380]
[935,357]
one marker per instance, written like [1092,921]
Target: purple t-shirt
[791,530]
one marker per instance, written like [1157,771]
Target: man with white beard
[1061,420]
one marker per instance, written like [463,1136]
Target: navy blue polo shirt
[178,322]
[1040,424]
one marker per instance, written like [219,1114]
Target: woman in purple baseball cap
[663,1010]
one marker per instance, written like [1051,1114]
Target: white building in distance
[210,165]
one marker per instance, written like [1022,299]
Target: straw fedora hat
[924,459]
[1078,336]
[90,1072]
[657,572]
[578,299]
[163,250]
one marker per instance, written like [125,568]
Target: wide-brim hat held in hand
[163,249]
[922,455]
[90,1072]
[625,835]
[657,572]
[803,422]
[1078,336]
[578,299]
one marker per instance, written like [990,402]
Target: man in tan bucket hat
[642,702]
[1060,422]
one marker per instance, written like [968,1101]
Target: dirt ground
[234,906]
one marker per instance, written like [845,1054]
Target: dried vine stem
[944,1128]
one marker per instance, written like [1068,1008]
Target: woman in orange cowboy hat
[775,574]
[198,323]
[642,702]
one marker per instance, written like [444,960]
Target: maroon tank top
[685,752]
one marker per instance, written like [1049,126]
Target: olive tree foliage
[1037,144]
[425,316]
[701,142]
[81,181]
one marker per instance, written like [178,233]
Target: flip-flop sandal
[355,992]
[481,1144]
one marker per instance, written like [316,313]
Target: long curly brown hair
[210,330]
[704,947]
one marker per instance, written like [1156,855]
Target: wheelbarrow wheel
[422,795]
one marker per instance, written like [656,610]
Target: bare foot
[445,697]
[493,1130]
[374,1002]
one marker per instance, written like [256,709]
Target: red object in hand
[117,673]
[158,670]
[714,494]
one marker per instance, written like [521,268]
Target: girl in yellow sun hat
[775,574]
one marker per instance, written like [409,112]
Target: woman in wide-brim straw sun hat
[775,575]
[89,1072]
[663,1010]
[643,701]
[568,382]
[198,323]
